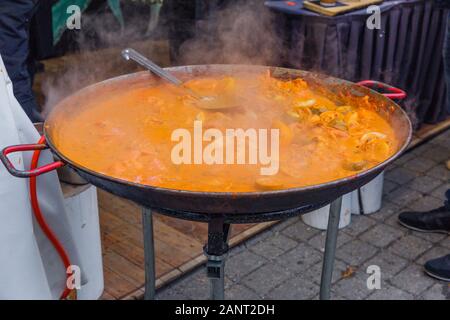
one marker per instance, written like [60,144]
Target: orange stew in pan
[128,134]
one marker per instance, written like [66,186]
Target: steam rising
[88,66]
[242,33]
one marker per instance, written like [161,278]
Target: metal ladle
[204,102]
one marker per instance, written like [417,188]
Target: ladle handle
[145,62]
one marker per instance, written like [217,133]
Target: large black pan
[206,204]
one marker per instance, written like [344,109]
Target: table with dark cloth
[406,52]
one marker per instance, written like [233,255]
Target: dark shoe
[439,268]
[437,220]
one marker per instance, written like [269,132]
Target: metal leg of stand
[149,254]
[330,249]
[216,251]
[215,270]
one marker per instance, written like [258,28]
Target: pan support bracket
[216,251]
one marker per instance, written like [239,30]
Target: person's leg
[447,61]
[15,16]
[439,268]
[437,220]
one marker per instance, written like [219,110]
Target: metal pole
[215,270]
[216,252]
[330,248]
[149,254]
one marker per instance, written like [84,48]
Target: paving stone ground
[285,261]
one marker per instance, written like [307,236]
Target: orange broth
[127,134]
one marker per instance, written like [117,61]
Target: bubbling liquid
[127,134]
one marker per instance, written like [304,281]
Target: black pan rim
[227,195]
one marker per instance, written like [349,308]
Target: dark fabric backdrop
[406,52]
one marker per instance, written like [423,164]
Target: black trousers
[447,61]
[15,21]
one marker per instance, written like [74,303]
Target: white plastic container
[368,198]
[319,219]
[82,208]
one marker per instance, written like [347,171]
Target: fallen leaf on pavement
[349,272]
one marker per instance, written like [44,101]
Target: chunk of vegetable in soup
[129,134]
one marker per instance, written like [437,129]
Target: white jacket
[30,268]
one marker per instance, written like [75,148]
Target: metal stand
[149,254]
[216,251]
[330,249]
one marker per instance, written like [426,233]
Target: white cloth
[30,267]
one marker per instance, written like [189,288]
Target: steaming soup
[134,134]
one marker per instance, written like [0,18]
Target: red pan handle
[395,93]
[27,173]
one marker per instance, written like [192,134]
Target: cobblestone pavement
[285,261]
